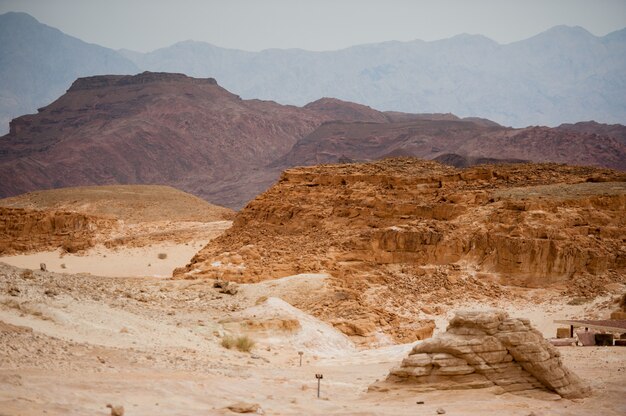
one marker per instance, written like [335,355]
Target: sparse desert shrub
[27,274]
[228,342]
[63,265]
[243,343]
[162,256]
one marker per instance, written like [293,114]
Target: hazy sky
[145,25]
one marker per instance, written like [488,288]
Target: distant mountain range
[192,134]
[563,75]
[38,63]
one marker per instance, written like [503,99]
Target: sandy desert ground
[121,261]
[73,342]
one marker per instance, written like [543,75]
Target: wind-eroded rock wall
[531,225]
[24,230]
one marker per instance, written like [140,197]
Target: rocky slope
[24,230]
[150,129]
[157,128]
[404,232]
[617,131]
[473,141]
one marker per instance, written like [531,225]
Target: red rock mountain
[617,131]
[162,128]
[459,142]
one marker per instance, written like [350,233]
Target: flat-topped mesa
[101,81]
[486,349]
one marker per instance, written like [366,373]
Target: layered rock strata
[487,349]
[401,234]
[23,230]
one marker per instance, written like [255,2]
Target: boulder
[116,410]
[242,407]
[226,287]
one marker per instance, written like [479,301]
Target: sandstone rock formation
[401,233]
[23,230]
[75,219]
[485,349]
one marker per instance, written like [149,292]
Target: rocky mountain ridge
[563,75]
[150,129]
[162,128]
[38,63]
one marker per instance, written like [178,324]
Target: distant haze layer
[563,75]
[320,25]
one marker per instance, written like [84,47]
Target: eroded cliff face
[25,230]
[398,229]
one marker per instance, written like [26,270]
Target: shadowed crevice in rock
[486,349]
